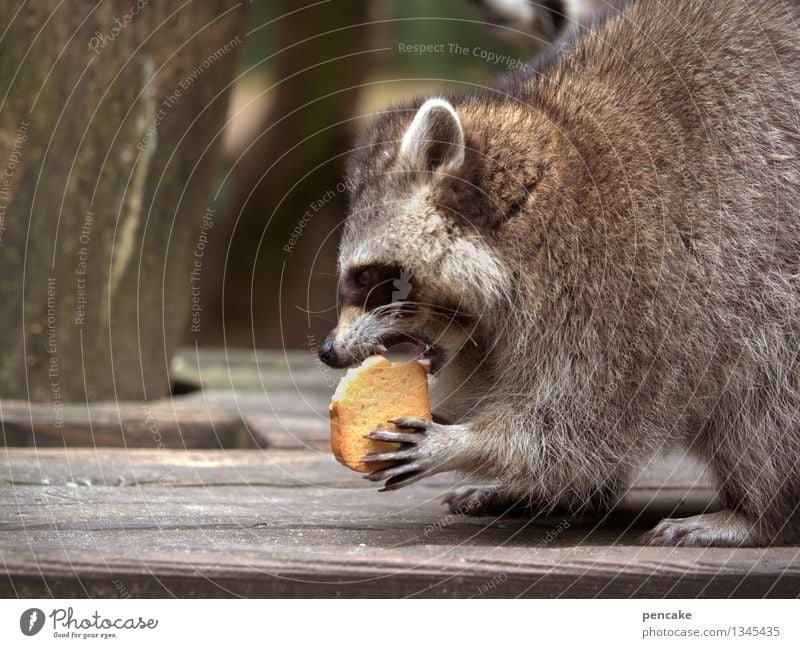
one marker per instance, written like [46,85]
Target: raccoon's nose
[328,354]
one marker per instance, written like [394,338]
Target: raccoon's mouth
[430,356]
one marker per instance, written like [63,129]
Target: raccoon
[604,259]
[530,23]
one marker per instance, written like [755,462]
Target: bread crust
[366,399]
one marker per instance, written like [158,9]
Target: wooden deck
[284,519]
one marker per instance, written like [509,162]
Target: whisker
[396,308]
[315,312]
[319,272]
[411,302]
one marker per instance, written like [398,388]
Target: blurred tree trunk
[108,139]
[324,55]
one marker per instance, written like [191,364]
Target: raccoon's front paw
[721,529]
[422,453]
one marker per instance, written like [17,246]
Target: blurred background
[308,80]
[170,176]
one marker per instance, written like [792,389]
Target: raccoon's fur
[530,23]
[605,259]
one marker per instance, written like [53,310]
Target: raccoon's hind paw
[471,500]
[423,452]
[482,500]
[722,529]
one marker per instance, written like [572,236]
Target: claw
[411,461]
[392,437]
[397,455]
[416,424]
[402,480]
[394,471]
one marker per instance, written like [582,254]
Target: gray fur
[614,267]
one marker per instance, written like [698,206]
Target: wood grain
[87,522]
[163,423]
[287,520]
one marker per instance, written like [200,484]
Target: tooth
[381,348]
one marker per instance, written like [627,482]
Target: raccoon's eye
[364,278]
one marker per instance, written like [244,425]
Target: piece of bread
[366,398]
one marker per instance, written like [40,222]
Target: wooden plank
[178,422]
[676,473]
[250,400]
[294,523]
[263,371]
[283,396]
[278,419]
[286,393]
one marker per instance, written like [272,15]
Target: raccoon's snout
[364,293]
[357,334]
[327,353]
[340,353]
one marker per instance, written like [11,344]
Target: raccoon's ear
[434,140]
